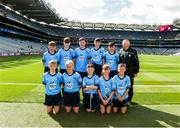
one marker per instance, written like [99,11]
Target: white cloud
[138,12]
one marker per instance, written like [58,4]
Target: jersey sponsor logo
[111,62]
[69,85]
[52,85]
[120,89]
[65,58]
[81,57]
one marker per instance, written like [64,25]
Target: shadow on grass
[138,116]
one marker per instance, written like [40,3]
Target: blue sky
[119,11]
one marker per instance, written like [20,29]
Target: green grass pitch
[157,94]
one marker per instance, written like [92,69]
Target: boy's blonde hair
[68,62]
[106,66]
[52,43]
[121,65]
[52,62]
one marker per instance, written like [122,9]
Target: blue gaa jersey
[121,85]
[65,55]
[47,56]
[52,83]
[112,60]
[106,86]
[81,56]
[97,55]
[90,81]
[72,83]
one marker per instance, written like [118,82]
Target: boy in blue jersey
[90,86]
[72,82]
[65,53]
[112,58]
[123,84]
[52,81]
[97,56]
[82,57]
[106,90]
[51,54]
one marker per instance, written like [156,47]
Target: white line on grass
[7,83]
[139,86]
[157,86]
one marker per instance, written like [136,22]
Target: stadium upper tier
[13,23]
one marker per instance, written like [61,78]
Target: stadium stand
[16,45]
[18,31]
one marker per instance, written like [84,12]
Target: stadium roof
[39,10]
[42,11]
[107,26]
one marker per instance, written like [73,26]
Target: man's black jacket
[130,58]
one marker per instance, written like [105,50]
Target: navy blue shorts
[90,101]
[98,69]
[117,103]
[71,99]
[83,74]
[53,100]
[113,73]
[62,71]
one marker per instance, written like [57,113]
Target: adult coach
[129,56]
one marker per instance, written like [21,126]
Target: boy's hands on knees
[120,98]
[104,102]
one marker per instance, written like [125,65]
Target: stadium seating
[17,45]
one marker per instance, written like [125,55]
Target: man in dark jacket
[129,56]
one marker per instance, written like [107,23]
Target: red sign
[165,28]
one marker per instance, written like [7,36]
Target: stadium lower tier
[15,45]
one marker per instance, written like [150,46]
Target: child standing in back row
[112,58]
[97,56]
[51,54]
[82,57]
[65,53]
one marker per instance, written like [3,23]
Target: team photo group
[104,77]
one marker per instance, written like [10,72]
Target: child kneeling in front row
[52,81]
[122,84]
[106,90]
[90,86]
[72,82]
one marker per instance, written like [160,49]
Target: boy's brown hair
[67,40]
[111,44]
[97,39]
[90,66]
[82,39]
